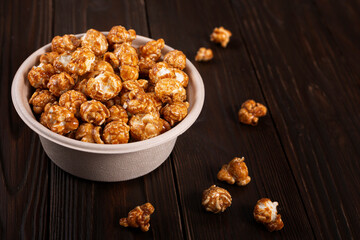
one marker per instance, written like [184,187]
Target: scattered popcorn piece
[221,35]
[265,212]
[250,112]
[216,199]
[235,171]
[139,217]
[204,54]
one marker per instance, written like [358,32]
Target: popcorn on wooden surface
[265,212]
[221,35]
[216,199]
[250,112]
[204,55]
[235,171]
[139,217]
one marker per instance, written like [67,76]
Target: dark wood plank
[23,166]
[217,136]
[82,209]
[312,90]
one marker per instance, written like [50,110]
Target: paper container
[105,162]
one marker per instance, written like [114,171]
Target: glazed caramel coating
[156,101]
[181,77]
[117,113]
[169,90]
[139,217]
[116,132]
[112,59]
[135,84]
[250,112]
[159,71]
[94,112]
[216,199]
[265,212]
[66,43]
[39,75]
[145,64]
[40,98]
[103,86]
[127,55]
[152,49]
[61,62]
[204,55]
[235,171]
[72,100]
[60,83]
[59,119]
[129,73]
[221,35]
[49,57]
[135,101]
[118,35]
[175,112]
[95,41]
[145,126]
[80,86]
[103,66]
[176,59]
[82,61]
[114,101]
[87,132]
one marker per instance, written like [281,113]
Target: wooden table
[300,58]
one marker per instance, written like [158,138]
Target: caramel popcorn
[116,132]
[48,57]
[66,43]
[135,101]
[159,71]
[94,112]
[95,41]
[135,84]
[139,217]
[117,113]
[61,62]
[251,111]
[175,112]
[127,55]
[145,64]
[112,59]
[82,61]
[181,77]
[87,132]
[176,59]
[40,98]
[39,75]
[103,66]
[145,126]
[169,90]
[114,101]
[204,54]
[80,86]
[103,86]
[72,100]
[118,35]
[235,171]
[152,49]
[129,73]
[60,83]
[265,212]
[156,101]
[221,35]
[216,199]
[59,119]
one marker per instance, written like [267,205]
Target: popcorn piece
[152,49]
[129,73]
[135,84]
[118,35]
[48,57]
[175,112]
[265,212]
[60,83]
[59,119]
[181,77]
[235,171]
[72,100]
[176,59]
[127,55]
[216,199]
[139,217]
[145,64]
[221,35]
[169,90]
[156,101]
[251,111]
[61,62]
[159,71]
[80,86]
[95,41]
[112,59]
[135,101]
[114,101]
[116,132]
[117,113]
[103,86]
[204,54]
[66,43]
[87,132]
[103,66]
[145,126]
[82,61]
[39,75]
[94,112]
[40,98]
